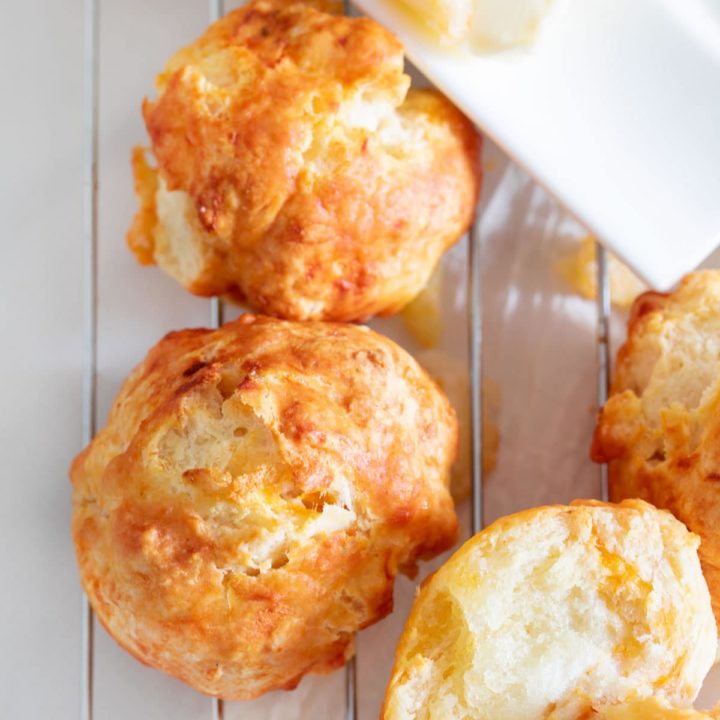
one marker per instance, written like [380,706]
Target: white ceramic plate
[615,110]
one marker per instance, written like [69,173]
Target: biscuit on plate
[554,611]
[254,494]
[660,429]
[292,169]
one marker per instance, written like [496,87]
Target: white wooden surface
[539,352]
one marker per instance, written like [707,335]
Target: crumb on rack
[579,269]
[490,164]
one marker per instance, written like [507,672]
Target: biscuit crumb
[422,317]
[579,269]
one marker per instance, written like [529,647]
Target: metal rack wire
[90,231]
[216,10]
[603,344]
[90,293]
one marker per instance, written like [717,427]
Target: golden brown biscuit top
[323,400]
[236,121]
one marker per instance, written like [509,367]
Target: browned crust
[300,212]
[162,541]
[684,475]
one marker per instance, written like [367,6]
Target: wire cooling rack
[90,332]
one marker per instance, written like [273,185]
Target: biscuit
[554,611]
[660,429]
[294,172]
[254,494]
